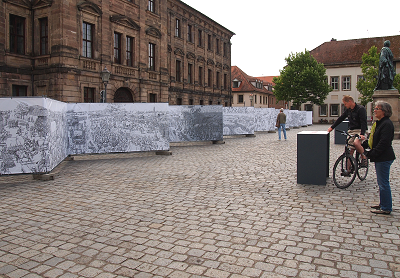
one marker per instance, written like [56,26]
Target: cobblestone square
[208,210]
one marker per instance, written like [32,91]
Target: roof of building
[245,81]
[267,79]
[336,53]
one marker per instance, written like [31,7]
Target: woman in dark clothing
[380,143]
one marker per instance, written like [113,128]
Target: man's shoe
[379,211]
[364,163]
[376,207]
[345,173]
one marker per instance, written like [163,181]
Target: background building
[156,51]
[342,60]
[252,91]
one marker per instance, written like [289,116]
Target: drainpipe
[33,53]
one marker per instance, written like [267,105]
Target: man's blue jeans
[382,175]
[282,126]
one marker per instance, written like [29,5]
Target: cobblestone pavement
[225,210]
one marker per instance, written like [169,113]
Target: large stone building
[156,51]
[342,60]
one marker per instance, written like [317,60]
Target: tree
[303,79]
[370,70]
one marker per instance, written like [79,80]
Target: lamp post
[251,99]
[105,77]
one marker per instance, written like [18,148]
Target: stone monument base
[392,97]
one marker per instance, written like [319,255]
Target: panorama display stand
[313,157]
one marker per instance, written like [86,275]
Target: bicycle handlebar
[344,132]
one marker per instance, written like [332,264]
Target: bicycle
[347,167]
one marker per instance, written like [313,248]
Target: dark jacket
[357,118]
[382,149]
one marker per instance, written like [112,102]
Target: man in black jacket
[357,116]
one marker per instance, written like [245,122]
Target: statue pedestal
[392,97]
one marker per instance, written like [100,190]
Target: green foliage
[370,70]
[302,80]
[396,82]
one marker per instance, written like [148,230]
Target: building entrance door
[123,95]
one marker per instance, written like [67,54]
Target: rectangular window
[323,110]
[152,50]
[88,94]
[225,81]
[117,48]
[308,107]
[210,102]
[129,51]
[240,98]
[218,80]
[17,34]
[151,6]
[190,34]
[178,71]
[190,101]
[346,84]
[19,91]
[217,45]
[178,28]
[335,110]
[209,45]
[210,78]
[190,73]
[44,36]
[152,98]
[87,40]
[335,82]
[201,102]
[200,37]
[225,49]
[235,84]
[201,76]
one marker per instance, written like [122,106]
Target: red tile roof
[267,79]
[336,53]
[245,85]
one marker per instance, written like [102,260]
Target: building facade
[252,91]
[342,60]
[155,50]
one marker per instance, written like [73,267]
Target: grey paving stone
[233,210]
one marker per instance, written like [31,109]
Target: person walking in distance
[281,118]
[357,116]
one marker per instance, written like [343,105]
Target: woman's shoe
[379,211]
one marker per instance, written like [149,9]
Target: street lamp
[251,99]
[105,77]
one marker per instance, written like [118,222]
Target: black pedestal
[313,157]
[340,139]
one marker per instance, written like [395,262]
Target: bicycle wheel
[342,177]
[361,171]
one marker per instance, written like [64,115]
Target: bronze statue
[386,68]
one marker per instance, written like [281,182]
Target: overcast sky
[267,31]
